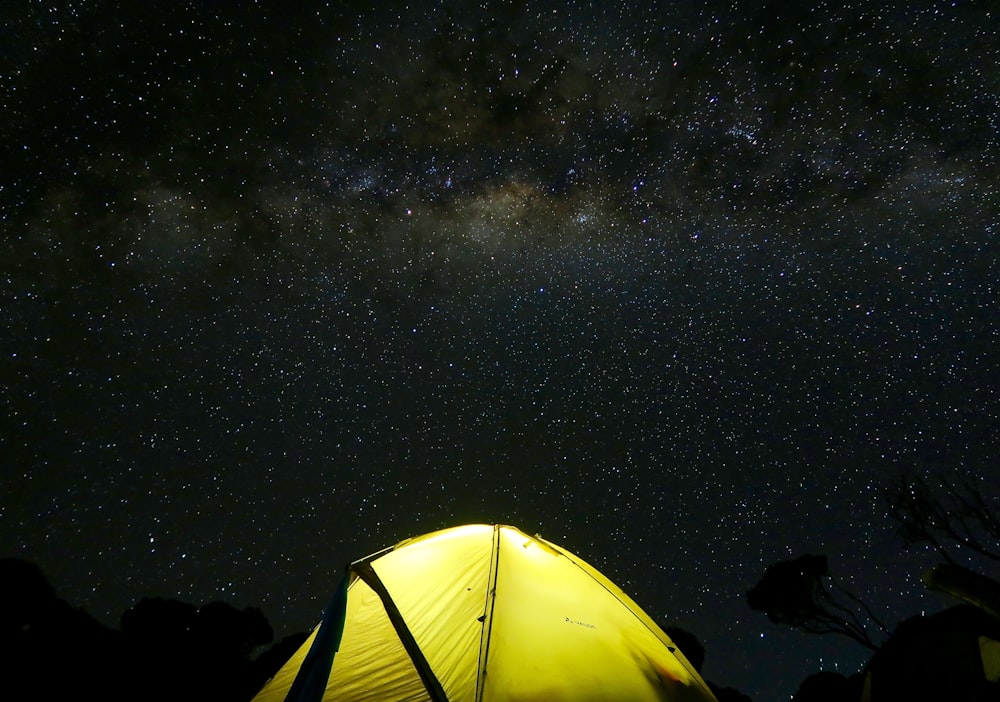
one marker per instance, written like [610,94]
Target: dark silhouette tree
[691,647]
[268,663]
[165,650]
[952,515]
[728,694]
[51,650]
[221,628]
[196,653]
[223,639]
[936,657]
[688,644]
[962,525]
[27,595]
[794,592]
[159,623]
[829,686]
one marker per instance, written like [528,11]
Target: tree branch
[951,514]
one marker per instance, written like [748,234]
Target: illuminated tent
[483,613]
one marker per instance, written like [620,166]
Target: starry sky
[679,286]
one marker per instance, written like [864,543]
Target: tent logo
[570,620]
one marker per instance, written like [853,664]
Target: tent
[483,613]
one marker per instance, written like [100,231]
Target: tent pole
[427,676]
[488,607]
[311,680]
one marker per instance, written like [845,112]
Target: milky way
[680,289]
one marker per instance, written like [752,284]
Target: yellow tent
[483,613]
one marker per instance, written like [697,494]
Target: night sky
[679,286]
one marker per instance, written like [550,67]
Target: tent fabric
[989,651]
[486,613]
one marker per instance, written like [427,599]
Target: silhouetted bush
[829,686]
[692,649]
[728,694]
[50,649]
[688,644]
[166,650]
[935,658]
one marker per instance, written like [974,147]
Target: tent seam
[489,606]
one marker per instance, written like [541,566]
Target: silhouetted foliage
[160,623]
[935,658]
[793,592]
[829,686]
[51,650]
[950,514]
[926,658]
[224,629]
[166,650]
[270,661]
[204,649]
[692,649]
[954,517]
[27,594]
[728,694]
[688,644]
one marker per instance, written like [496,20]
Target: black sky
[680,288]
